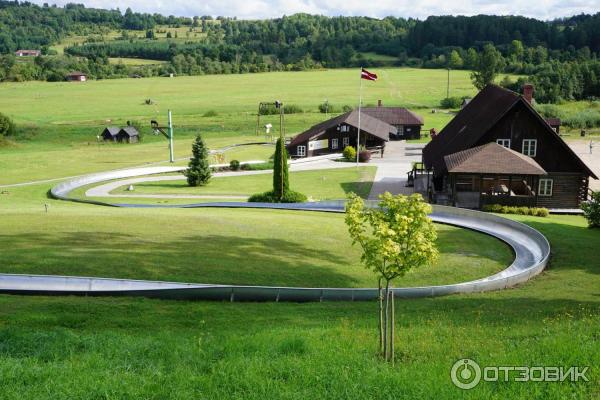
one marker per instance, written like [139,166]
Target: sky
[259,9]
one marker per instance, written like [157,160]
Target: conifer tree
[198,172]
[280,171]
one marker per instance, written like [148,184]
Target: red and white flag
[364,74]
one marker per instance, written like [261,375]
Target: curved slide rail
[531,249]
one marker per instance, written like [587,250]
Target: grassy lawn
[70,347]
[208,245]
[324,184]
[58,122]
[134,61]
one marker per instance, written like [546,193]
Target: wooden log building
[546,173]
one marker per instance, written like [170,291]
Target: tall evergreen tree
[281,183]
[198,172]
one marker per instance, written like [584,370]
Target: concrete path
[392,169]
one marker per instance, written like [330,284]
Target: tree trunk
[386,324]
[380,292]
[392,327]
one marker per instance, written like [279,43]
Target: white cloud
[252,9]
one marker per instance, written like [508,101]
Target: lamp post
[168,133]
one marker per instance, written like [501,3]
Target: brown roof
[476,119]
[76,73]
[394,115]
[553,121]
[368,124]
[492,158]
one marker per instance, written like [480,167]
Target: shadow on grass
[360,188]
[194,258]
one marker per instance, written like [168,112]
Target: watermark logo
[466,374]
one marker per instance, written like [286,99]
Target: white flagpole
[359,107]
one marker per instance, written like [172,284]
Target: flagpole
[359,107]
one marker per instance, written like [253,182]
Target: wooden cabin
[407,123]
[333,135]
[127,134]
[506,119]
[76,77]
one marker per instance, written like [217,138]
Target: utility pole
[171,156]
[448,86]
[168,134]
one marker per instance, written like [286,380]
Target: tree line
[562,52]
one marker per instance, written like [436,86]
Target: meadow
[59,122]
[85,347]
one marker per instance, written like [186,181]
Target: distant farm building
[407,123]
[333,135]
[28,53]
[77,77]
[127,134]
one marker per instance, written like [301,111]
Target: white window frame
[548,187]
[531,144]
[504,142]
[301,151]
[344,128]
[334,143]
[345,141]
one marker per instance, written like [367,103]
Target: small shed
[109,134]
[77,76]
[28,53]
[128,135]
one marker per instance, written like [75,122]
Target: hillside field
[59,122]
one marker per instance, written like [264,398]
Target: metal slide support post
[171,157]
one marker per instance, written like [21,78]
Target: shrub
[234,165]
[349,153]
[591,210]
[328,108]
[257,167]
[500,209]
[451,102]
[364,156]
[584,119]
[347,108]
[270,109]
[270,197]
[210,113]
[7,127]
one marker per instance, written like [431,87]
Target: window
[346,141]
[504,142]
[400,130]
[530,147]
[334,143]
[344,128]
[301,151]
[546,187]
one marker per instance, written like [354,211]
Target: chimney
[379,103]
[528,92]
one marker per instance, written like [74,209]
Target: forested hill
[560,56]
[26,25]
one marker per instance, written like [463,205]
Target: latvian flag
[364,74]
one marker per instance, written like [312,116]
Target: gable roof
[130,131]
[368,124]
[476,119]
[492,158]
[394,115]
[112,130]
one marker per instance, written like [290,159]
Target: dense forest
[560,55]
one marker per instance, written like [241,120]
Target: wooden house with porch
[499,150]
[333,135]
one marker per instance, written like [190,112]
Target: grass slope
[81,348]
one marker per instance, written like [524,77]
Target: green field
[59,122]
[70,347]
[326,184]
